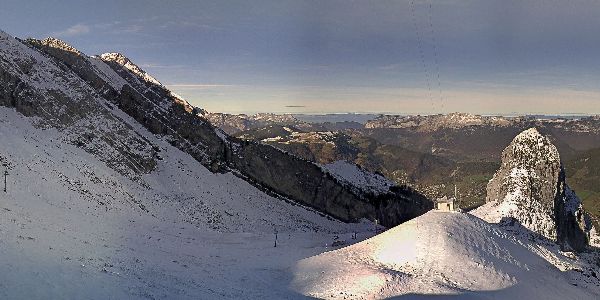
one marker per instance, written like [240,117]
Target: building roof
[445,200]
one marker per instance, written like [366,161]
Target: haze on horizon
[486,57]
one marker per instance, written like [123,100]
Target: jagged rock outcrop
[87,95]
[530,188]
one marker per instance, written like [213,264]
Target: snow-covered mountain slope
[128,64]
[100,206]
[72,227]
[57,98]
[216,201]
[124,89]
[356,176]
[448,255]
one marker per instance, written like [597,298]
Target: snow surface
[453,255]
[114,80]
[352,174]
[128,64]
[518,202]
[73,228]
[65,101]
[142,79]
[529,143]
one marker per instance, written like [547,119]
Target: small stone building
[445,204]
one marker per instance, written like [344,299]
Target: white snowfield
[446,255]
[355,176]
[73,228]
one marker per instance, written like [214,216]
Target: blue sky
[343,56]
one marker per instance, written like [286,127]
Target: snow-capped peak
[60,44]
[127,63]
[529,144]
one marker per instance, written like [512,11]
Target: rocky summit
[530,188]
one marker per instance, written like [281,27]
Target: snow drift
[454,255]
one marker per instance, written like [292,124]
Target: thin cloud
[132,28]
[118,27]
[78,29]
[190,24]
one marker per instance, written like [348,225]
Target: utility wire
[435,55]
[421,51]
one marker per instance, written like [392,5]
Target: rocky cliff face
[530,188]
[87,97]
[58,99]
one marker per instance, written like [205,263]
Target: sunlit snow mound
[452,254]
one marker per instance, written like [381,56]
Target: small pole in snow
[275,238]
[5,174]
[376,222]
